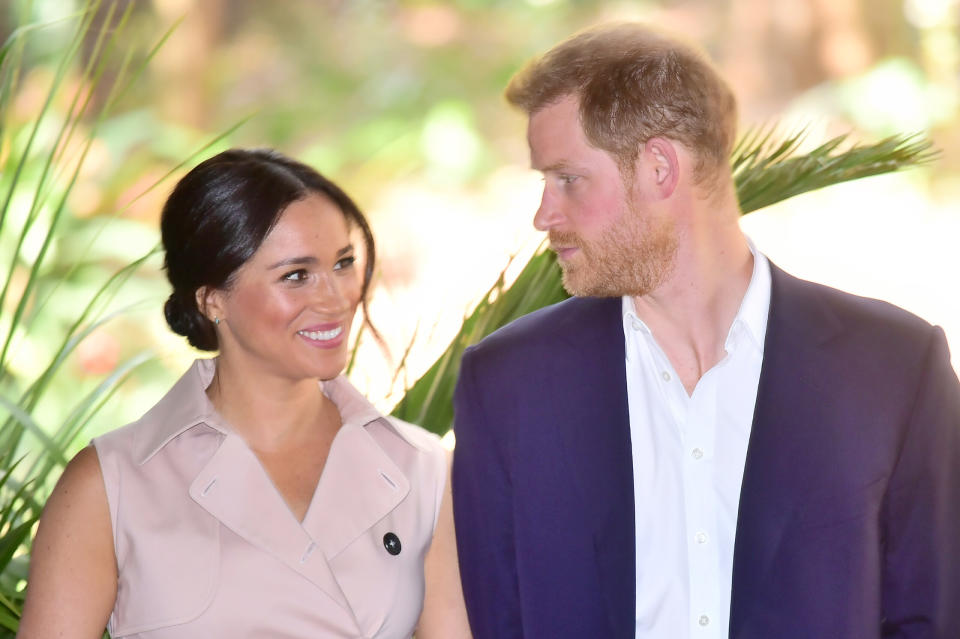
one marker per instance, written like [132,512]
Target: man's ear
[210,303]
[660,165]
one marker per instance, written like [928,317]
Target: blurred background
[401,103]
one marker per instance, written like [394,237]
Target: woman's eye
[295,276]
[344,262]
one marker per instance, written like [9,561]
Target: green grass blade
[10,621]
[12,540]
[39,198]
[7,512]
[62,68]
[22,417]
[74,335]
[83,412]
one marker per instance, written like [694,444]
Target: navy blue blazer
[849,521]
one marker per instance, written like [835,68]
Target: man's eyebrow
[556,167]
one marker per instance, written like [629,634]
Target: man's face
[607,240]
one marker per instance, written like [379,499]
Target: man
[697,444]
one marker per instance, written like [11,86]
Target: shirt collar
[751,316]
[186,405]
[755,307]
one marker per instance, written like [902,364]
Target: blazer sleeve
[921,514]
[483,514]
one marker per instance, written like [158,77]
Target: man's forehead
[565,109]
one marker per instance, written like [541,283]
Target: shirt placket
[696,427]
[700,509]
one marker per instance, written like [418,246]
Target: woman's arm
[73,571]
[444,615]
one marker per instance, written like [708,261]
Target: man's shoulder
[848,307]
[870,326]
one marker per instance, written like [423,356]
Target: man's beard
[630,258]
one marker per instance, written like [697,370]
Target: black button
[392,543]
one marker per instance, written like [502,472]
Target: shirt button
[697,453]
[703,620]
[665,375]
[701,538]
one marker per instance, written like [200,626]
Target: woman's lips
[323,335]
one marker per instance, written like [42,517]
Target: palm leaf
[766,170]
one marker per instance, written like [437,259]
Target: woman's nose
[329,294]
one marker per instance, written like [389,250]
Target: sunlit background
[400,102]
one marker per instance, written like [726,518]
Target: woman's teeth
[322,335]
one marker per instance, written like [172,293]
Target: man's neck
[690,313]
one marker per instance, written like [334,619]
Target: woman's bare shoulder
[73,574]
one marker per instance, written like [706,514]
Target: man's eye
[344,262]
[567,179]
[295,276]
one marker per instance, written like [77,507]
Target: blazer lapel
[784,421]
[592,419]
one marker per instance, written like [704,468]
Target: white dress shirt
[688,458]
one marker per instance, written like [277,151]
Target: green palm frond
[767,169]
[428,401]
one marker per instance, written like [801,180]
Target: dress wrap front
[207,547]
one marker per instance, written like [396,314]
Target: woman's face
[289,308]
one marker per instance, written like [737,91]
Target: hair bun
[187,320]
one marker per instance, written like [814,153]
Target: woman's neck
[270,412]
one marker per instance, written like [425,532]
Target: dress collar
[186,405]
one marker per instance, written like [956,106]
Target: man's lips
[564,252]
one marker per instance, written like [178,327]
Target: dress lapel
[785,419]
[360,486]
[235,489]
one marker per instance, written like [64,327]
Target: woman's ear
[210,303]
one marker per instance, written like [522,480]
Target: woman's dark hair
[218,216]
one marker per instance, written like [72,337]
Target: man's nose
[548,215]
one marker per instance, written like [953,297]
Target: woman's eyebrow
[306,259]
[291,261]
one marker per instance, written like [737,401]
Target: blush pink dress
[206,546]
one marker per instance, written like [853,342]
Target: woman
[252,501]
